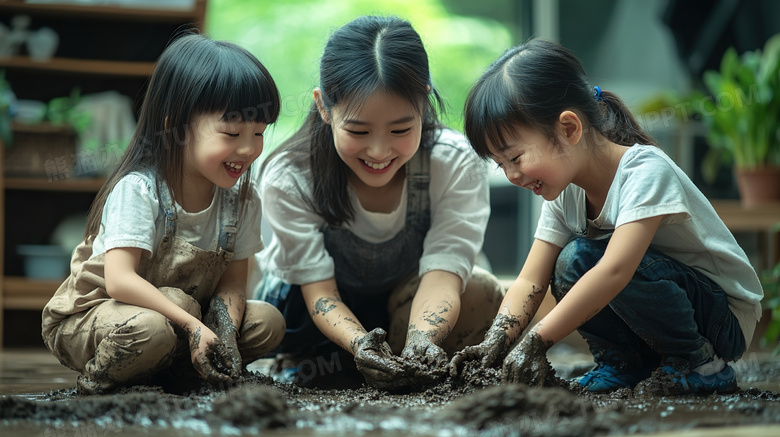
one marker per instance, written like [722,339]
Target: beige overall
[114,344]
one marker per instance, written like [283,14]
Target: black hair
[194,76]
[530,85]
[368,54]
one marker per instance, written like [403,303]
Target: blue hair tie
[597,94]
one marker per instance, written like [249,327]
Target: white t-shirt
[377,227]
[459,202]
[648,184]
[131,218]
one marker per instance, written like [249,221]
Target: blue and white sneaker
[286,369]
[605,378]
[668,381]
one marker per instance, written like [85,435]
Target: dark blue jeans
[668,313]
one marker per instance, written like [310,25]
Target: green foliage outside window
[289,36]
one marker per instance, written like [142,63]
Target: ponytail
[619,124]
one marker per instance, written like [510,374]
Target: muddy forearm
[331,315]
[229,300]
[519,306]
[230,306]
[337,322]
[435,307]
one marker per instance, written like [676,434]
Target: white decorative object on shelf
[42,44]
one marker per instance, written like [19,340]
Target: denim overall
[101,337]
[365,272]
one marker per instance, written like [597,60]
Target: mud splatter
[324,305]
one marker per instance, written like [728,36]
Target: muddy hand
[492,349]
[487,353]
[527,362]
[218,320]
[209,355]
[419,347]
[375,360]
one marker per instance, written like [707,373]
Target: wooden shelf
[158,14]
[81,66]
[28,294]
[86,185]
[89,37]
[739,218]
[42,127]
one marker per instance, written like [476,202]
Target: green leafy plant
[770,279]
[741,111]
[743,114]
[63,111]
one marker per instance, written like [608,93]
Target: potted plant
[770,279]
[741,117]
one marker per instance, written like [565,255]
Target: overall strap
[168,208]
[418,179]
[228,217]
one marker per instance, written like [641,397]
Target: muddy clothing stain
[113,344]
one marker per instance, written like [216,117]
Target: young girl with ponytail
[638,260]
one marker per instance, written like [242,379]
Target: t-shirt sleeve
[129,214]
[649,187]
[460,208]
[249,240]
[551,226]
[297,254]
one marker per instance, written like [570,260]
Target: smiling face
[533,161]
[220,151]
[376,138]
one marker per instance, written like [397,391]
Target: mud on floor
[473,405]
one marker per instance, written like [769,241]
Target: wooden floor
[32,370]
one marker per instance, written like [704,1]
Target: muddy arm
[225,313]
[434,312]
[519,306]
[524,296]
[230,296]
[331,315]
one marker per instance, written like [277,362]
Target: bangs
[241,89]
[491,115]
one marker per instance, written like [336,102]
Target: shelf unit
[101,48]
[81,66]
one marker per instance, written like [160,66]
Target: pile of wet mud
[477,403]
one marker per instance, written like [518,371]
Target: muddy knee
[479,305]
[399,307]
[575,259]
[484,289]
[141,345]
[261,331]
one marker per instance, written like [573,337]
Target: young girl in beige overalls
[162,271]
